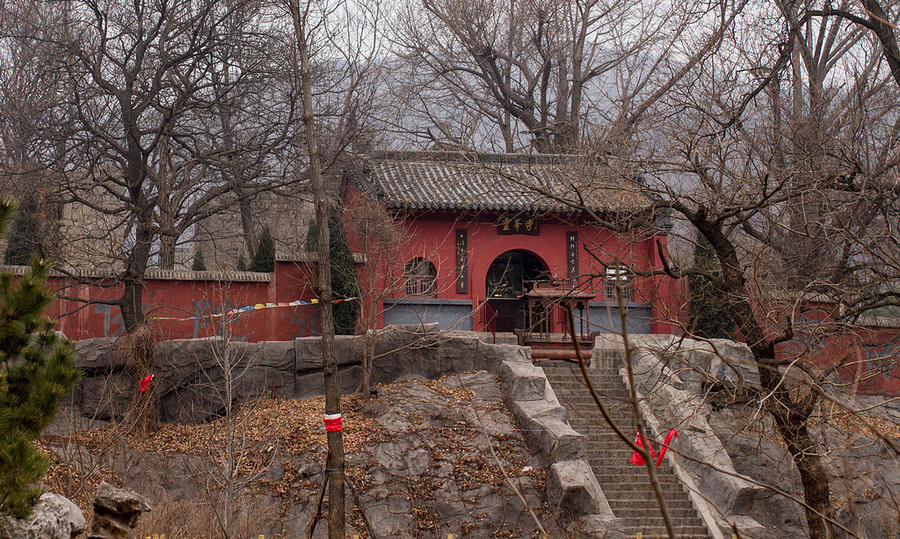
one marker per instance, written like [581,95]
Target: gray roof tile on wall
[500,182]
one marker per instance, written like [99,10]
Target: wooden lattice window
[618,276]
[420,277]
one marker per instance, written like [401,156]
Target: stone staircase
[626,486]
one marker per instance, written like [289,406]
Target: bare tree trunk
[790,420]
[167,251]
[228,372]
[790,414]
[368,360]
[334,465]
[247,225]
[133,282]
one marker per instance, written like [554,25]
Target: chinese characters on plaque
[462,261]
[572,255]
[519,224]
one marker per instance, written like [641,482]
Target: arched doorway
[508,278]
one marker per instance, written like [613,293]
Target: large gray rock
[557,440]
[116,512]
[573,489]
[523,381]
[97,354]
[670,397]
[54,517]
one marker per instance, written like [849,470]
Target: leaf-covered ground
[424,458]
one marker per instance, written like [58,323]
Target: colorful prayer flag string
[248,308]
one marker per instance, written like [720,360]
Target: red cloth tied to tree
[145,383]
[636,457]
[332,422]
[665,445]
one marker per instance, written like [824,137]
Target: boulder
[54,517]
[116,512]
[523,381]
[573,489]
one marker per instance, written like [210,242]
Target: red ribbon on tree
[145,383]
[332,422]
[665,445]
[638,459]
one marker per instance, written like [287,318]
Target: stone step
[672,496]
[637,485]
[576,379]
[648,502]
[652,530]
[545,355]
[660,532]
[606,398]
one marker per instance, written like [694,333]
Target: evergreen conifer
[36,372]
[22,239]
[198,264]
[344,281]
[709,310]
[264,258]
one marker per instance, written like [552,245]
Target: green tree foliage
[36,372]
[311,234]
[198,264]
[264,258]
[710,317]
[344,280]
[23,239]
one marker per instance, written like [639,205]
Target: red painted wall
[432,235]
[168,302]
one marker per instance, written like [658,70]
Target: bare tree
[541,75]
[381,240]
[789,176]
[781,151]
[137,120]
[342,29]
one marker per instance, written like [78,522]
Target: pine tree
[709,312]
[24,233]
[344,281]
[36,372]
[311,233]
[264,258]
[198,264]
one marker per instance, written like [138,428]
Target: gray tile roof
[501,182]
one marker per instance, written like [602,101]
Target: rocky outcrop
[189,378]
[116,512]
[667,384]
[54,517]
